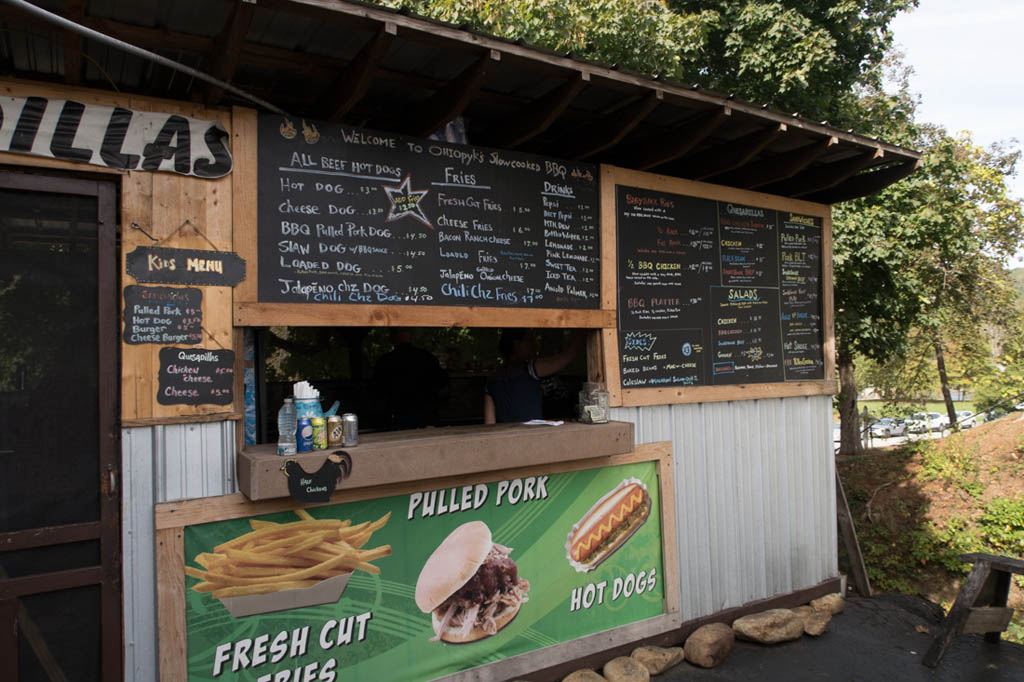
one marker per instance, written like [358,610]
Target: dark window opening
[345,365]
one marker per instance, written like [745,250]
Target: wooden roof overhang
[372,67]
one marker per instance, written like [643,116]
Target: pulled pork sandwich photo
[470,586]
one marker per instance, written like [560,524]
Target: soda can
[304,435]
[319,433]
[349,430]
[335,431]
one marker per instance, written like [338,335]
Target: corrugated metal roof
[301,55]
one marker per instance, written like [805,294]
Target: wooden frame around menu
[250,312]
[171,518]
[610,370]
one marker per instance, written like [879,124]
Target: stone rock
[709,645]
[769,627]
[815,620]
[658,659]
[584,675]
[833,603]
[625,669]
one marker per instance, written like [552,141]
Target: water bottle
[286,429]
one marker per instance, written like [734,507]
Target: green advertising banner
[361,590]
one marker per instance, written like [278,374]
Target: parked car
[923,422]
[836,432]
[966,419]
[887,427]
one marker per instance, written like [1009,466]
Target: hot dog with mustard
[608,525]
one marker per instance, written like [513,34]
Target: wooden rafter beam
[726,157]
[606,132]
[449,102]
[227,48]
[74,45]
[537,117]
[675,144]
[819,178]
[775,168]
[355,78]
[866,183]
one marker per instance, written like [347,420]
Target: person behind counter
[408,380]
[513,393]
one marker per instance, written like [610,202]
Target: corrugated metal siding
[755,496]
[162,463]
[755,501]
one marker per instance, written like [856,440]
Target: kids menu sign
[716,293]
[352,216]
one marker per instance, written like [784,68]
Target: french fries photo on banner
[274,557]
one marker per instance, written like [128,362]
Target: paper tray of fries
[282,566]
[324,592]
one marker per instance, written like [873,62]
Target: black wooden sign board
[195,376]
[163,315]
[159,265]
[716,293]
[352,216]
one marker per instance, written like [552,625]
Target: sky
[968,61]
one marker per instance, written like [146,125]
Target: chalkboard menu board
[195,376]
[163,315]
[716,293]
[353,216]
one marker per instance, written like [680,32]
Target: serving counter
[415,455]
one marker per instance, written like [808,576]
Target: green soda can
[319,433]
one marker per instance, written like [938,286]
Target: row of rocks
[709,645]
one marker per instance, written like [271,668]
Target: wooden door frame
[108,528]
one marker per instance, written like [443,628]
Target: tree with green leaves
[925,255]
[803,56]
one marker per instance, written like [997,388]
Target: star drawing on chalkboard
[405,201]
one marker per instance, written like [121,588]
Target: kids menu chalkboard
[163,315]
[716,293]
[352,216]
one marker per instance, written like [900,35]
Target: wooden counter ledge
[399,456]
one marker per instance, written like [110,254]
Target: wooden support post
[849,535]
[9,639]
[1001,593]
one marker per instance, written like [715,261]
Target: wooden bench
[981,604]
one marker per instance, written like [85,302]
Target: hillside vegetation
[918,507]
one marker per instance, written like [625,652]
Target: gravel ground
[873,640]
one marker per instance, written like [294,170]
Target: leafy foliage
[1002,525]
[802,56]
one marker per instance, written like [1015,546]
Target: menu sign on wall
[716,293]
[352,216]
[163,315]
[195,376]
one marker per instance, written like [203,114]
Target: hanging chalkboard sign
[158,265]
[195,376]
[163,315]
[353,216]
[716,293]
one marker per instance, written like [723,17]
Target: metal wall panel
[755,496]
[755,501]
[162,463]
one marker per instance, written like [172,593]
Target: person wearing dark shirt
[513,393]
[408,380]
